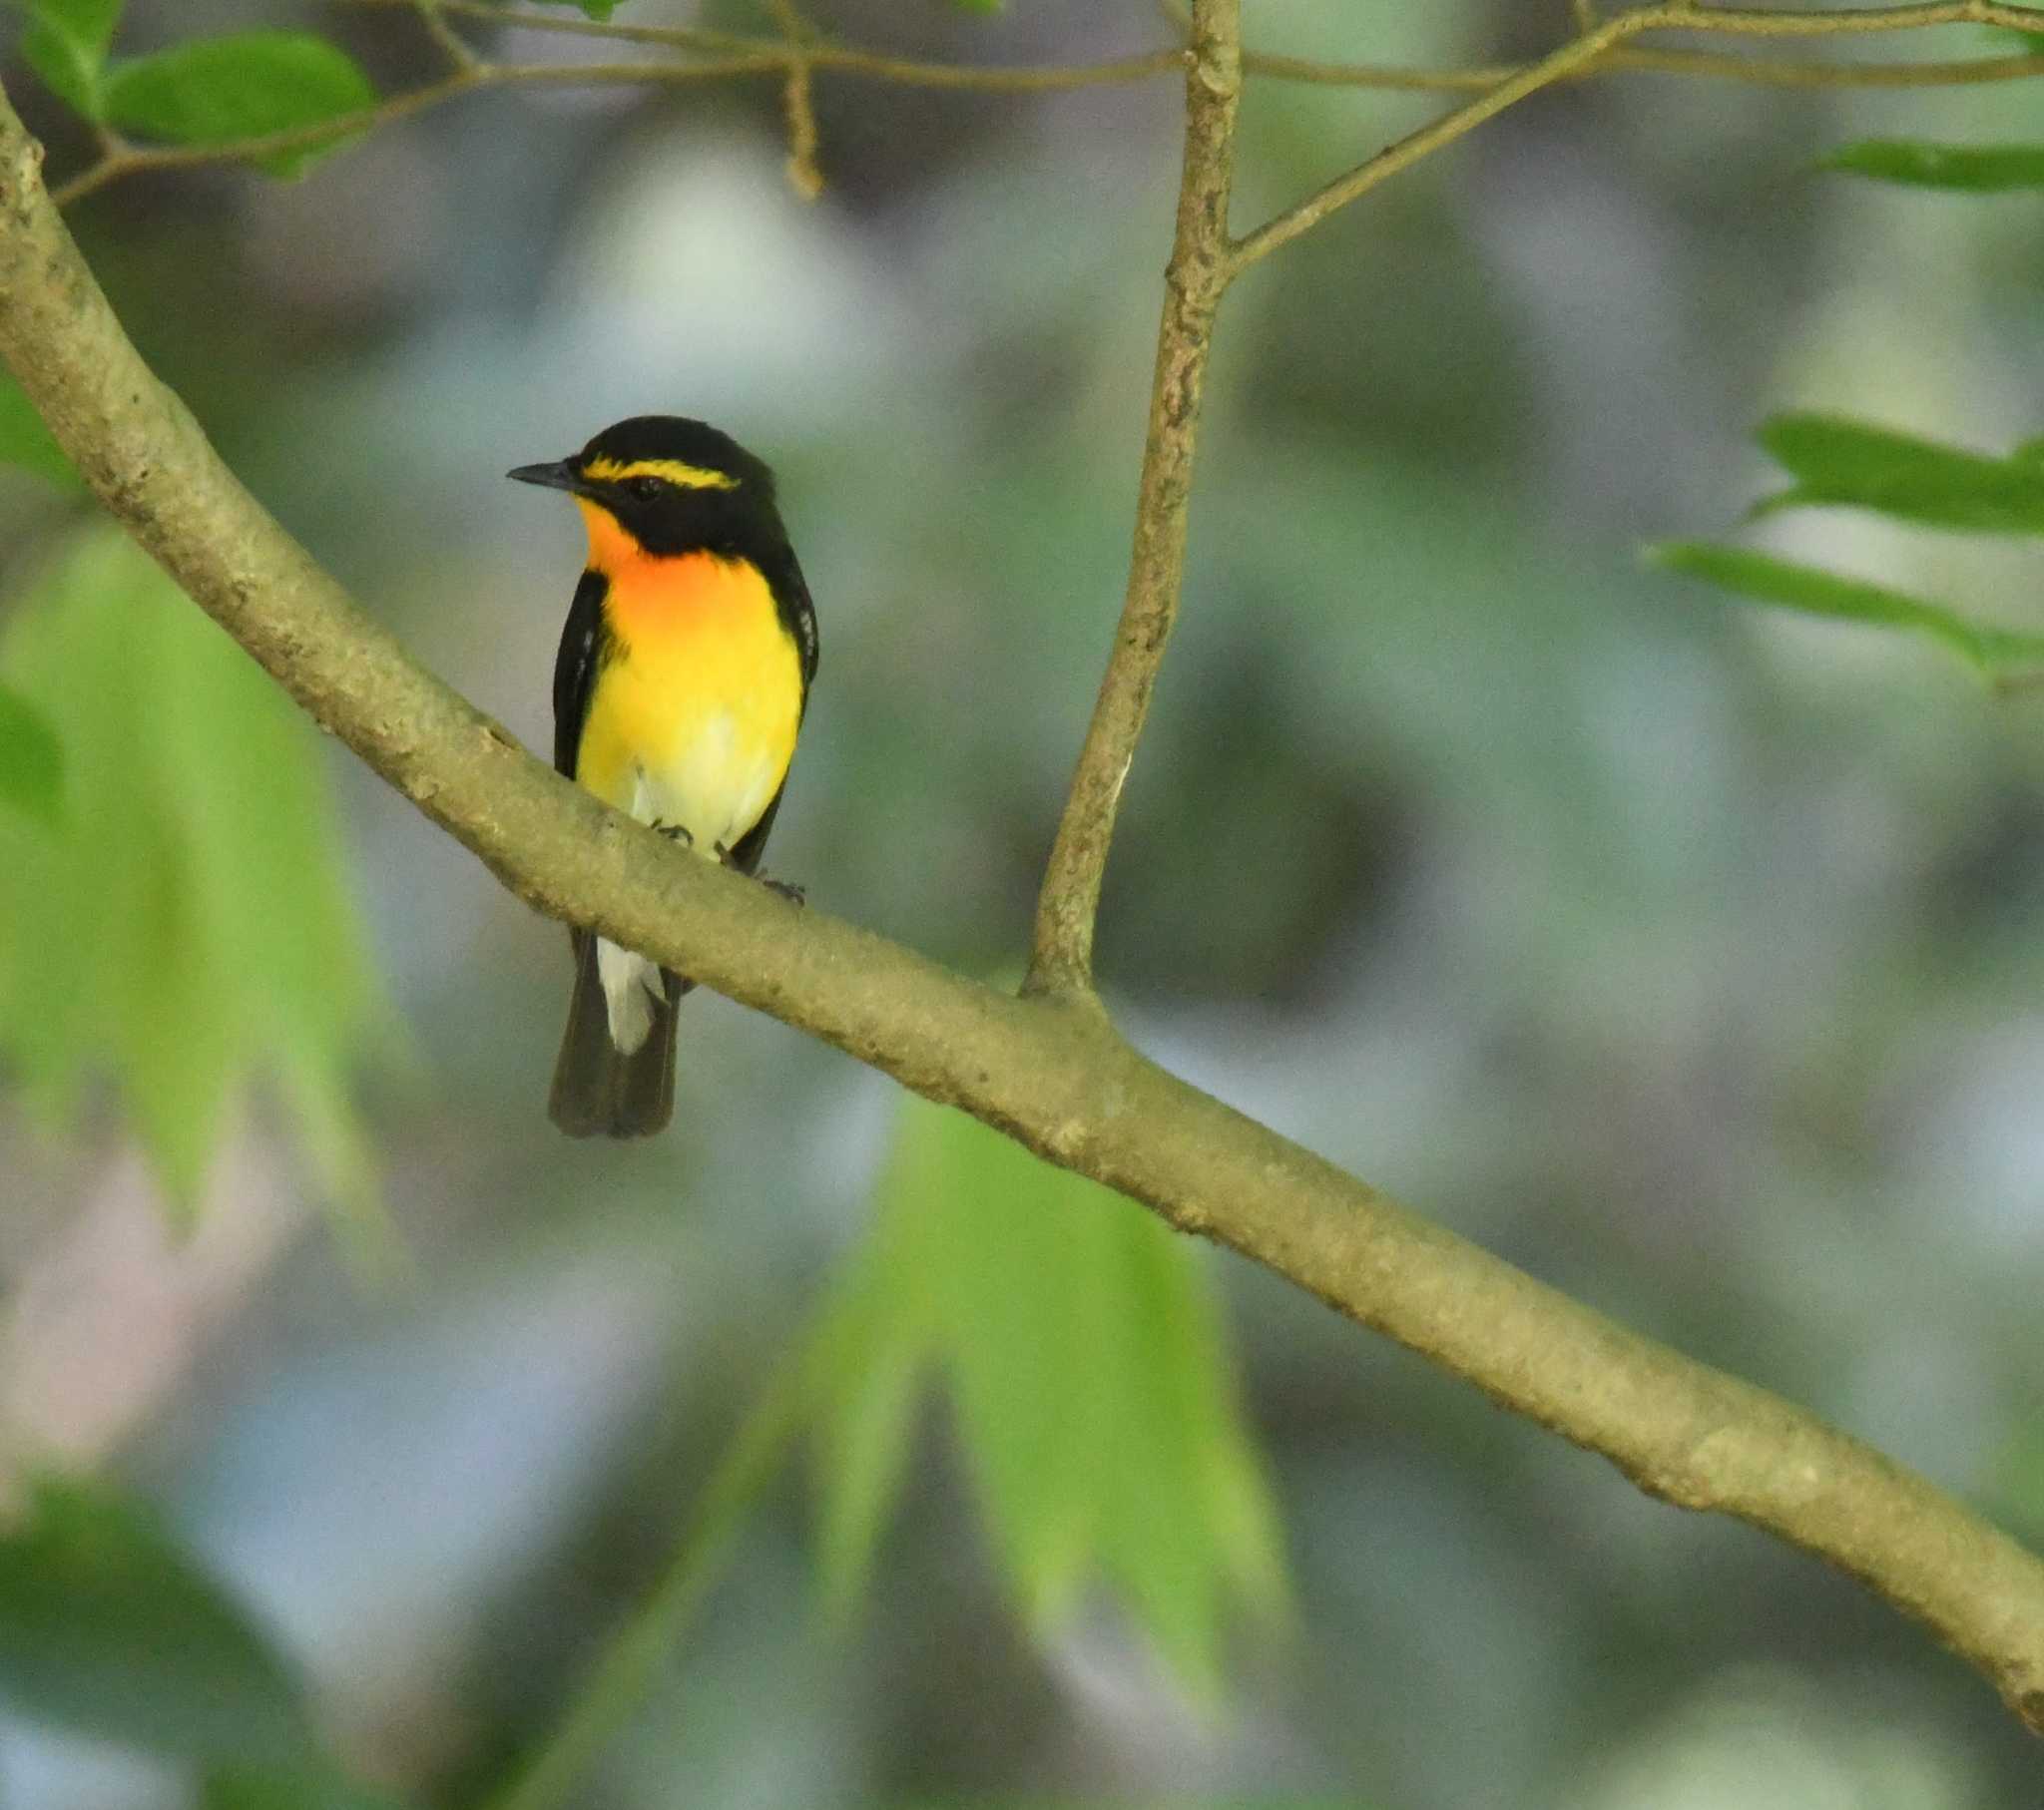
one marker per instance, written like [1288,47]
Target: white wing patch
[630,987]
[631,984]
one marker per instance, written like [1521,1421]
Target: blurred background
[1684,955]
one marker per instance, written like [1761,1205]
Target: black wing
[582,647]
[798,617]
[797,613]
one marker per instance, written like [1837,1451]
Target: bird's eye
[645,489]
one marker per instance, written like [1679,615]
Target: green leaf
[598,10]
[31,761]
[864,1439]
[2017,1486]
[1082,1350]
[1817,593]
[217,91]
[110,1629]
[26,442]
[1838,461]
[206,936]
[65,42]
[316,1785]
[1962,168]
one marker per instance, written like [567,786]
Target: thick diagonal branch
[1048,1070]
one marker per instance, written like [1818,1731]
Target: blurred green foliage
[1914,481]
[214,91]
[66,43]
[31,761]
[313,1784]
[109,1629]
[1853,464]
[26,442]
[187,928]
[204,91]
[1082,1351]
[1960,169]
[1766,579]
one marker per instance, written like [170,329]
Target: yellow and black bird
[679,692]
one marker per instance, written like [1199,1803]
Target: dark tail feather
[598,1091]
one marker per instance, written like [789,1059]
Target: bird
[680,689]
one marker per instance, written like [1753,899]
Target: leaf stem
[647,1638]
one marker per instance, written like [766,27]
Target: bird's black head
[673,484]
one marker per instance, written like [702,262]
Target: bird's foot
[675,832]
[787,889]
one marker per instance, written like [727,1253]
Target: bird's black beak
[561,475]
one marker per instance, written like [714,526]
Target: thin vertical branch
[1061,960]
[798,99]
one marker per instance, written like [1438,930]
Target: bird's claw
[679,832]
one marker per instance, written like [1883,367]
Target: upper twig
[798,59]
[1606,45]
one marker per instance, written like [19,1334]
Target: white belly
[709,789]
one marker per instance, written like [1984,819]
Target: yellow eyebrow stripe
[673,471]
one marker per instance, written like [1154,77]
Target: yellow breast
[694,716]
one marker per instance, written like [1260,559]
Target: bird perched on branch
[679,691]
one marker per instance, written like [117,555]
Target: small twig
[1376,76]
[574,25]
[1606,46]
[1573,57]
[1766,71]
[457,48]
[798,99]
[799,102]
